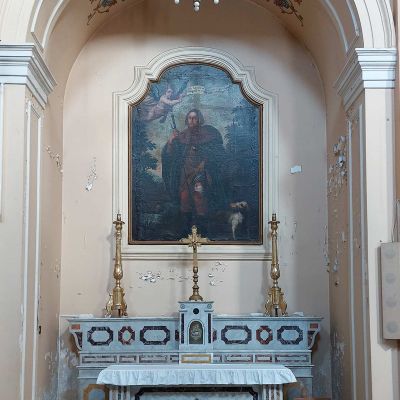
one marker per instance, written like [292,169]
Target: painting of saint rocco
[195,158]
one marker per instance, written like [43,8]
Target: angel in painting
[156,106]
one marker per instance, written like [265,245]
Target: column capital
[366,69]
[22,64]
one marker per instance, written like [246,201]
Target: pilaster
[366,69]
[366,86]
[25,84]
[22,64]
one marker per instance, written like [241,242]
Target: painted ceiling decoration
[286,7]
[100,7]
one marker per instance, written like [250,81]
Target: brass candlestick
[116,305]
[194,240]
[275,302]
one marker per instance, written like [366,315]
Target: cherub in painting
[156,106]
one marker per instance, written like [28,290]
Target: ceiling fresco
[104,6]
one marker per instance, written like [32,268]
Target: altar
[239,345]
[195,354]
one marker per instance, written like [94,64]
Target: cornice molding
[22,64]
[366,69]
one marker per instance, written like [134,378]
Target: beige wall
[106,65]
[282,66]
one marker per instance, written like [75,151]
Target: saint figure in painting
[192,163]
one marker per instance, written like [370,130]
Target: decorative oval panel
[100,336]
[236,334]
[290,335]
[155,335]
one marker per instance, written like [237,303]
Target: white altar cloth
[195,374]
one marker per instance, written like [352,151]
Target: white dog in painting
[239,210]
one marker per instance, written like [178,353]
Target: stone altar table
[229,340]
[254,381]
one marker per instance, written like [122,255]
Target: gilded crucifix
[195,240]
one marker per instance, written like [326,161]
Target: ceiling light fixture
[196,4]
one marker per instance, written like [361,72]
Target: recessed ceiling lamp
[196,4]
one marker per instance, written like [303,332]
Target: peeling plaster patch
[67,373]
[215,273]
[296,169]
[294,231]
[52,361]
[322,377]
[336,265]
[53,366]
[57,268]
[337,172]
[176,275]
[21,339]
[92,176]
[56,157]
[154,277]
[340,240]
[326,247]
[51,391]
[150,277]
[21,342]
[338,349]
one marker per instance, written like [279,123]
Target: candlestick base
[276,305]
[195,297]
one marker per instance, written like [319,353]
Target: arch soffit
[372,20]
[377,25]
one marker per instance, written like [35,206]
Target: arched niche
[333,31]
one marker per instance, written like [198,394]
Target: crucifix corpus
[195,240]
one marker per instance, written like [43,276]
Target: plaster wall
[11,243]
[320,37]
[283,66]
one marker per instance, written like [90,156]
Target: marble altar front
[195,337]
